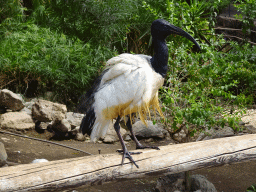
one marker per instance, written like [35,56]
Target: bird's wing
[123,65]
[129,59]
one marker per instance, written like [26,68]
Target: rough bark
[98,169]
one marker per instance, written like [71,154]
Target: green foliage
[248,10]
[60,65]
[199,87]
[104,22]
[11,9]
[194,16]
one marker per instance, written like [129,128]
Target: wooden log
[101,168]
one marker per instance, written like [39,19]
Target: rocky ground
[51,122]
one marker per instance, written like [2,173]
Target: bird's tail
[96,128]
[88,122]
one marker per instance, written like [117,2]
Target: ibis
[129,85]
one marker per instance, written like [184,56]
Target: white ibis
[129,85]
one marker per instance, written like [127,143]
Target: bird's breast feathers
[129,86]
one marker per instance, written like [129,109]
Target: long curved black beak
[178,31]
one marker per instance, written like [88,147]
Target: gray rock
[47,111]
[224,132]
[171,182]
[3,155]
[206,133]
[61,126]
[11,100]
[176,182]
[16,120]
[111,135]
[216,132]
[74,119]
[251,129]
[199,182]
[142,130]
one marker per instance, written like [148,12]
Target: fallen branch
[97,169]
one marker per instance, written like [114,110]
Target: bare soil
[231,178]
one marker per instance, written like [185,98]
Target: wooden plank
[98,169]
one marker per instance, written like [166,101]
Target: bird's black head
[160,29]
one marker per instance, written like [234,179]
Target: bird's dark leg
[126,153]
[138,144]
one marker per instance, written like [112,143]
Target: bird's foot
[127,154]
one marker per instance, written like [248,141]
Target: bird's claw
[127,154]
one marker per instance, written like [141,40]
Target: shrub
[248,10]
[11,9]
[200,87]
[59,64]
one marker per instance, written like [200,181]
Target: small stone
[80,137]
[181,136]
[61,125]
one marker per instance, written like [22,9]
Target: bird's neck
[160,59]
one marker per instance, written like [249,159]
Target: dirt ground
[230,178]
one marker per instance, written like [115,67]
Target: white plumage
[129,86]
